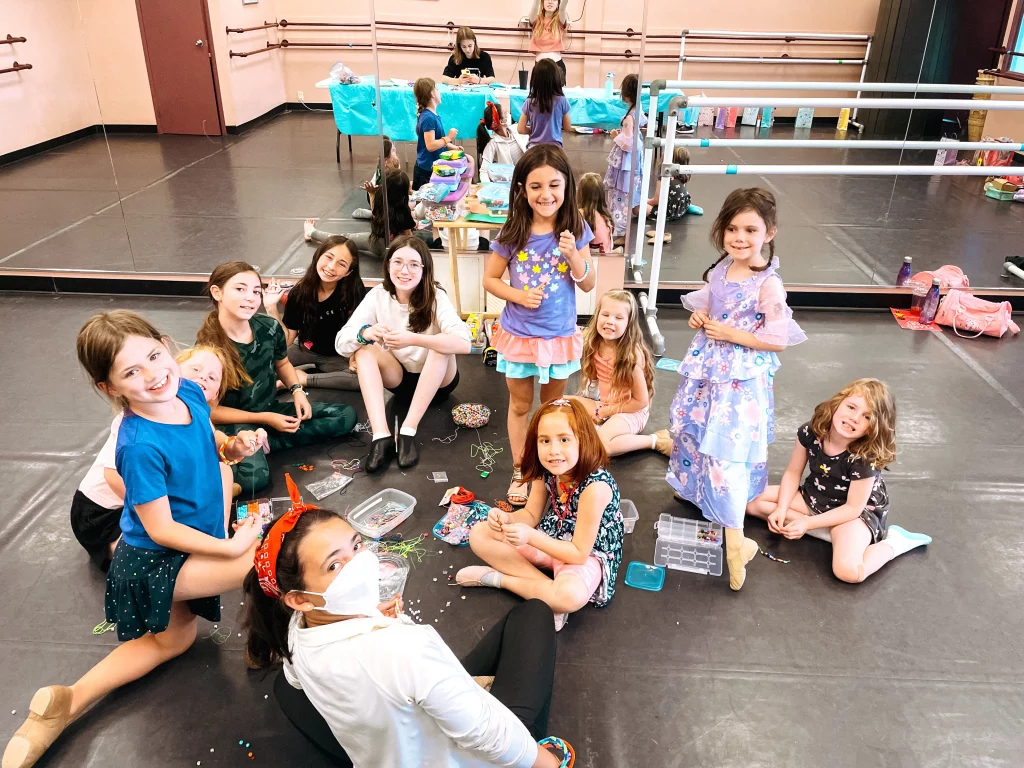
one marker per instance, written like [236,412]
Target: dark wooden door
[179,58]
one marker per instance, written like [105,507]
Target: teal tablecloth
[356,115]
[355,109]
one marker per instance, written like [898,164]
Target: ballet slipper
[663,442]
[49,714]
[478,576]
[739,551]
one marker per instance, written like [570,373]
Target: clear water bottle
[904,273]
[931,303]
[609,84]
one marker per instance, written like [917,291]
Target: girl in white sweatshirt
[403,337]
[495,143]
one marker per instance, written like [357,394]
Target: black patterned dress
[560,523]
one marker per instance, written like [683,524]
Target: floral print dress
[560,523]
[722,418]
[622,187]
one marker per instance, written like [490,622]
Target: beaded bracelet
[586,271]
[223,448]
[362,339]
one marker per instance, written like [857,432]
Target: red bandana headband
[265,561]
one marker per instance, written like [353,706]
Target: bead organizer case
[689,545]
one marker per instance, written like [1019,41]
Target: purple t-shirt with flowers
[541,263]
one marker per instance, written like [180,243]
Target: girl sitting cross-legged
[579,538]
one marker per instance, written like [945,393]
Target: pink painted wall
[250,86]
[56,96]
[75,60]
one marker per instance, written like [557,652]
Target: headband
[265,561]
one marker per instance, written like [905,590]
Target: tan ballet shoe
[739,551]
[663,442]
[49,714]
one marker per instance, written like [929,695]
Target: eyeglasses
[412,266]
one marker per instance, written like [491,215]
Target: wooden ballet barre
[240,30]
[243,54]
[10,39]
[15,68]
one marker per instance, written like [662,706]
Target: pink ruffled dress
[723,415]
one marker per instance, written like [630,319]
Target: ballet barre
[648,299]
[761,85]
[851,144]
[671,169]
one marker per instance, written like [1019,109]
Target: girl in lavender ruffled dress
[722,417]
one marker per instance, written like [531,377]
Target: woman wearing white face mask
[367,681]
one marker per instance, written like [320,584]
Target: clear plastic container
[394,570]
[629,514]
[382,512]
[689,545]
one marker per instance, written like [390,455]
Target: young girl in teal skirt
[174,558]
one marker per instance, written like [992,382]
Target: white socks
[901,540]
[380,435]
[408,431]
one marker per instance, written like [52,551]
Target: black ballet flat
[382,451]
[408,452]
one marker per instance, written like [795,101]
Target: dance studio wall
[83,71]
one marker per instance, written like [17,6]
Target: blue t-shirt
[540,263]
[546,127]
[178,461]
[428,121]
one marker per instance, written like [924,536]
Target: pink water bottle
[904,273]
[931,304]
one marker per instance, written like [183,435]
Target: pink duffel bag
[971,317]
[949,277]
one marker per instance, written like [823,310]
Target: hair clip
[561,401]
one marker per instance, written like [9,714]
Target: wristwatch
[296,388]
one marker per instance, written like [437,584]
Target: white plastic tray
[629,514]
[361,517]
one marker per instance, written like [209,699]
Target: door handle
[199,43]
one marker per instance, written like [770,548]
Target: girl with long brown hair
[316,308]
[847,443]
[256,352]
[617,376]
[544,247]
[578,538]
[723,416]
[431,139]
[468,65]
[545,114]
[595,211]
[404,337]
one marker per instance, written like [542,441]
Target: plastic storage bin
[394,570]
[689,545]
[629,514]
[382,512]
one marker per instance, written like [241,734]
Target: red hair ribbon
[265,561]
[490,116]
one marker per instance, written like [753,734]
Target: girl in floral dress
[622,187]
[722,417]
[578,537]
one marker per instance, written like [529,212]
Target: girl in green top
[257,357]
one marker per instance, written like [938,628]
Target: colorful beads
[471,415]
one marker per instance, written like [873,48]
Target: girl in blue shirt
[174,558]
[544,247]
[431,140]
